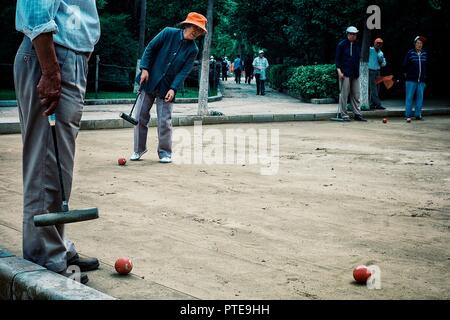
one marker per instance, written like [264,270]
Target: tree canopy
[296,32]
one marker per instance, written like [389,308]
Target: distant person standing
[348,54]
[225,67]
[248,68]
[237,69]
[376,62]
[415,67]
[260,65]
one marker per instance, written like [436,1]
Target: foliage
[101,4]
[10,42]
[299,31]
[183,93]
[117,47]
[317,81]
[7,94]
[279,75]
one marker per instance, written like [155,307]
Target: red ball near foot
[123,265]
[122,161]
[385,120]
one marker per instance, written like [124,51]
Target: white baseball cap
[261,51]
[352,30]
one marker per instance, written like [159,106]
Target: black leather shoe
[82,277]
[85,264]
[359,118]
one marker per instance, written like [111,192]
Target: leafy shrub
[279,75]
[314,82]
[118,54]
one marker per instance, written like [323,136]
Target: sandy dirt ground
[344,195]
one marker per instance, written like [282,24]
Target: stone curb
[90,102]
[14,128]
[23,280]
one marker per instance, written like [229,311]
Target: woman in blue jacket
[165,64]
[415,67]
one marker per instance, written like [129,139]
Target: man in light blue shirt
[376,62]
[50,76]
[260,64]
[73,23]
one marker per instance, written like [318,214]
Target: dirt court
[344,195]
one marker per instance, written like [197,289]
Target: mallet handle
[52,122]
[139,93]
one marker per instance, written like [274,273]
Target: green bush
[117,49]
[314,82]
[278,76]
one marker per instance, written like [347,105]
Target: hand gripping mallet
[66,216]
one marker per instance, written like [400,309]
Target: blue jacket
[169,59]
[237,64]
[348,56]
[415,66]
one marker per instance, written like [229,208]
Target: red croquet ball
[361,274]
[121,161]
[385,120]
[123,265]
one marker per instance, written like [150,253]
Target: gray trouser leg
[344,87]
[374,88]
[355,96]
[47,246]
[164,111]
[143,106]
[349,87]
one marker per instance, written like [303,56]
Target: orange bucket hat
[378,40]
[196,19]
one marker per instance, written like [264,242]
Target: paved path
[238,100]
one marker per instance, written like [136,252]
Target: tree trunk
[204,76]
[143,13]
[364,69]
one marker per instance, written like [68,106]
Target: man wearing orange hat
[376,62]
[165,64]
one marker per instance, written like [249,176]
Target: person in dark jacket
[165,64]
[348,54]
[248,68]
[225,69]
[415,67]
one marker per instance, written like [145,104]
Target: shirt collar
[181,35]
